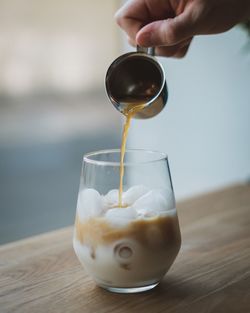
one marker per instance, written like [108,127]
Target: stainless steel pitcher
[137,78]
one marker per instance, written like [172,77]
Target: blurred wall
[58,45]
[53,107]
[205,127]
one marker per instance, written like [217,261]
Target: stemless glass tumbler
[126,248]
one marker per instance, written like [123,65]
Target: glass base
[129,289]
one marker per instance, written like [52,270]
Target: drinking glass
[130,248]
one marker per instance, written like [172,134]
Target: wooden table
[211,273]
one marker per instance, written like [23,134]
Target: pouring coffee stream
[136,86]
[129,112]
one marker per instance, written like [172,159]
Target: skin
[170,25]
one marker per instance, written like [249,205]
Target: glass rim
[87,157]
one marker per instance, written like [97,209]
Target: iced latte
[130,246]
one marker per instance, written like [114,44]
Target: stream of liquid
[130,110]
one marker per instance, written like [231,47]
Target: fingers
[131,17]
[168,32]
[176,51]
[170,37]
[131,42]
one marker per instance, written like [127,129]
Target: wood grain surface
[211,273]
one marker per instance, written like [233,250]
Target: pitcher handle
[149,51]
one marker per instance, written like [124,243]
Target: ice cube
[151,204]
[134,193]
[89,204]
[120,216]
[111,198]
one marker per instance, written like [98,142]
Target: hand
[170,25]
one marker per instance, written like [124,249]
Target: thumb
[167,32]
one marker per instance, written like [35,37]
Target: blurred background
[53,109]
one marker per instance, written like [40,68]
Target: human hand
[170,25]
